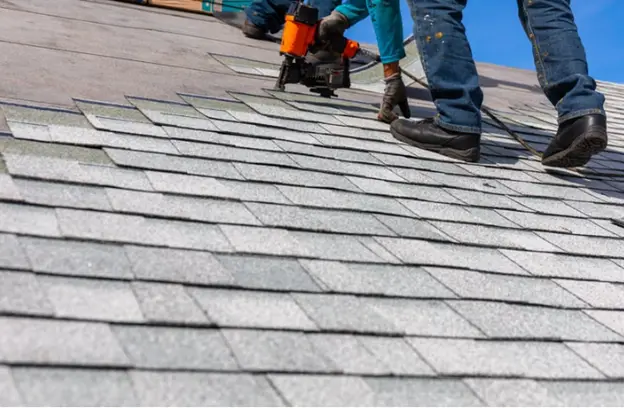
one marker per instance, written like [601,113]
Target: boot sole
[580,151]
[471,155]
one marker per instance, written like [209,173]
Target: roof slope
[266,248]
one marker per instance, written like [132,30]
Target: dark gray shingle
[165,302]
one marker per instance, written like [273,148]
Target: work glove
[332,26]
[394,94]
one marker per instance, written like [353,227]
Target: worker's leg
[267,15]
[388,25]
[562,72]
[354,11]
[454,84]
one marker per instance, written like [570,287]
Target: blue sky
[600,22]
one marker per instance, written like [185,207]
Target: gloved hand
[333,26]
[394,94]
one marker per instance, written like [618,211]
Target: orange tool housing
[299,30]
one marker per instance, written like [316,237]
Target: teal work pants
[386,18]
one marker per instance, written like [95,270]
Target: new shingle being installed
[254,247]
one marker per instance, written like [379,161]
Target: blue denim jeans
[270,14]
[387,23]
[452,75]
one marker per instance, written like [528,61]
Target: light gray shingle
[20,293]
[175,348]
[74,387]
[377,279]
[513,393]
[336,247]
[347,353]
[498,358]
[63,195]
[566,225]
[355,314]
[582,393]
[564,266]
[92,299]
[323,391]
[423,317]
[613,319]
[422,392]
[276,351]
[170,303]
[59,342]
[174,265]
[9,395]
[234,154]
[233,308]
[413,228]
[608,358]
[268,273]
[581,245]
[11,253]
[505,321]
[597,294]
[25,219]
[8,188]
[202,389]
[86,259]
[270,241]
[396,354]
[478,285]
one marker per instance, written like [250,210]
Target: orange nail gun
[299,38]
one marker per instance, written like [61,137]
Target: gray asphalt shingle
[20,293]
[167,303]
[9,395]
[513,393]
[325,391]
[11,253]
[422,392]
[348,353]
[63,195]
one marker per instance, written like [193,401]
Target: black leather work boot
[252,31]
[576,141]
[429,136]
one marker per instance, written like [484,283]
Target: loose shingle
[174,265]
[355,314]
[324,391]
[441,211]
[359,144]
[336,154]
[549,206]
[396,354]
[584,394]
[348,354]
[295,177]
[221,139]
[199,209]
[608,358]
[135,229]
[336,247]
[478,285]
[500,320]
[593,246]
[63,195]
[92,299]
[58,342]
[357,171]
[87,259]
[175,348]
[497,358]
[252,309]
[20,293]
[432,253]
[413,228]
[337,199]
[597,294]
[564,266]
[11,253]
[74,387]
[566,225]
[251,191]
[185,389]
[25,219]
[268,273]
[423,317]
[382,253]
[513,393]
[470,183]
[318,220]
[270,241]
[268,132]
[376,279]
[276,351]
[162,302]
[9,396]
[406,392]
[163,162]
[187,184]
[235,154]
[481,199]
[383,187]
[493,236]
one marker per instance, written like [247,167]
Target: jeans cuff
[584,112]
[456,128]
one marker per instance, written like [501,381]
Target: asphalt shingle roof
[249,247]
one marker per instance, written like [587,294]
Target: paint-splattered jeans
[447,59]
[387,23]
[270,14]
